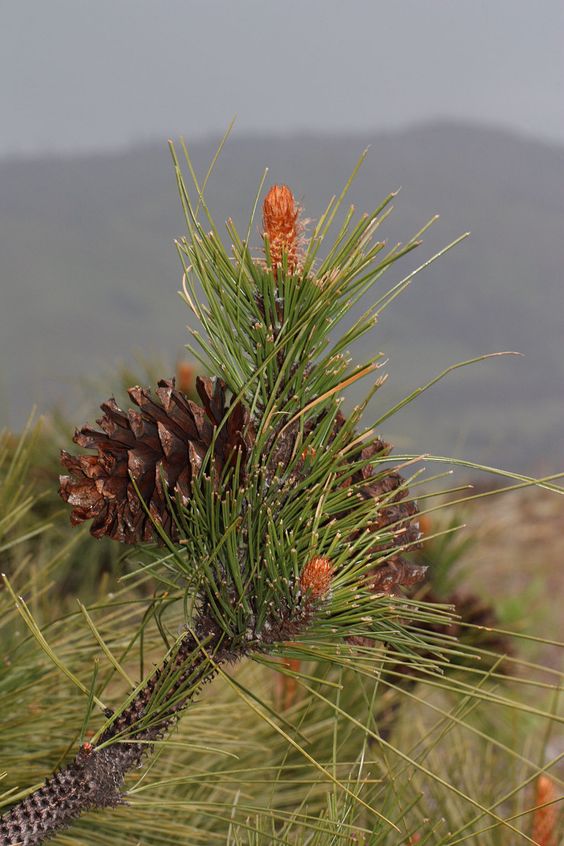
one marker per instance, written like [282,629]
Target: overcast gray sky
[78,74]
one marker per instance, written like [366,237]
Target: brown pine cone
[160,448]
[397,515]
[476,622]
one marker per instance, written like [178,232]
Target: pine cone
[396,514]
[472,611]
[377,485]
[160,448]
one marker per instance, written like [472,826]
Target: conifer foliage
[278,518]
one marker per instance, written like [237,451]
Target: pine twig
[94,779]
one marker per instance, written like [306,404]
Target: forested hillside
[88,272]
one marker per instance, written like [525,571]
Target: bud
[545,819]
[286,685]
[86,750]
[185,377]
[316,577]
[425,526]
[281,226]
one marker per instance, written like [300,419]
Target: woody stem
[94,779]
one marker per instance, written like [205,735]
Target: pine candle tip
[425,525]
[316,577]
[545,818]
[185,377]
[280,216]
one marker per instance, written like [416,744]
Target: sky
[81,75]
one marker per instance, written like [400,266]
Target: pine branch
[94,779]
[279,517]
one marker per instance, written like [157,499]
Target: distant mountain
[88,273]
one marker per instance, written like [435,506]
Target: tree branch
[95,778]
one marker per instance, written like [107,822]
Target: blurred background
[461,104]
